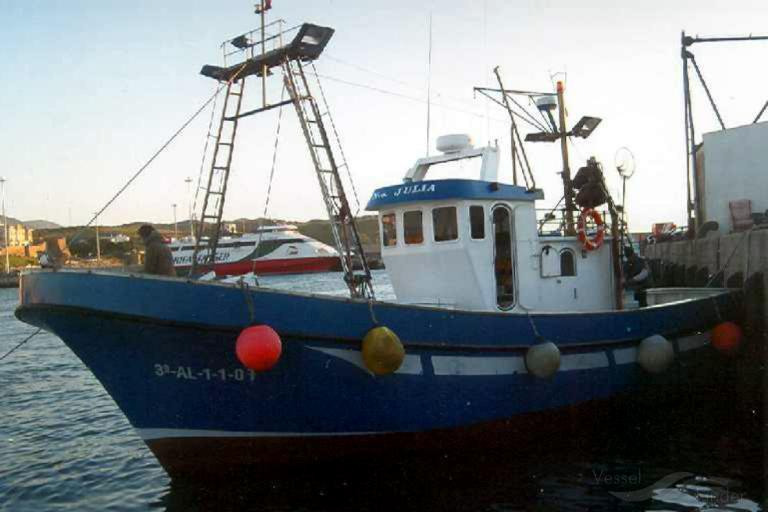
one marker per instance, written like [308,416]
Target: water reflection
[492,485]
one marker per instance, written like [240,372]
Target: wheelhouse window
[502,258]
[388,230]
[477,222]
[567,263]
[556,263]
[445,224]
[413,227]
[550,262]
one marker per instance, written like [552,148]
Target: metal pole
[625,226]
[706,90]
[692,40]
[687,100]
[513,125]
[188,181]
[695,207]
[175,224]
[98,245]
[568,191]
[5,231]
[760,114]
[263,66]
[429,81]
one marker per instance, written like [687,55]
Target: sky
[91,89]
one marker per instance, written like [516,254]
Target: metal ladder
[343,227]
[216,190]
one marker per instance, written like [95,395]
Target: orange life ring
[595,242]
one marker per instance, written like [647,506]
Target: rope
[248,300]
[536,332]
[147,164]
[21,343]
[370,310]
[728,261]
[271,172]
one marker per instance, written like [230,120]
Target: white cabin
[475,244]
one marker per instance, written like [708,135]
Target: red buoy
[258,347]
[726,337]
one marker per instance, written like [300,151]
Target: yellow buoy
[383,353]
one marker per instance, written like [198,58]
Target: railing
[250,43]
[551,221]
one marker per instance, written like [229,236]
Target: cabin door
[502,257]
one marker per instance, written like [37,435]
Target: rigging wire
[148,162]
[411,86]
[338,140]
[271,173]
[484,93]
[404,96]
[38,331]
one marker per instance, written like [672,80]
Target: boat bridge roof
[441,190]
[307,45]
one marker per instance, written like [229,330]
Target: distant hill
[11,221]
[316,228]
[33,224]
[40,224]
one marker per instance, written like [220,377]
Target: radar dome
[454,143]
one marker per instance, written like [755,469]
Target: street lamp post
[98,245]
[5,230]
[188,181]
[175,224]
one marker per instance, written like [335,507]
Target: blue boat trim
[22,314]
[440,190]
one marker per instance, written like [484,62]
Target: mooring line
[22,342]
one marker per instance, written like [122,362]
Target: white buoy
[543,360]
[655,354]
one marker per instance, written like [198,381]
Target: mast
[567,189]
[327,156]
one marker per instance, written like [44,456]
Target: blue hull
[164,350]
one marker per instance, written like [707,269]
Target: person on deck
[589,183]
[158,259]
[638,275]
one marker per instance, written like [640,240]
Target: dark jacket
[158,259]
[638,272]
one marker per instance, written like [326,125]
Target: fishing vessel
[269,250]
[504,321]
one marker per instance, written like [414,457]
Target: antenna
[429,79]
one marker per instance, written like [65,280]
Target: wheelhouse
[475,244]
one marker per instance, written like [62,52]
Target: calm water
[65,446]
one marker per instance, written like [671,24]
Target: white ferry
[268,250]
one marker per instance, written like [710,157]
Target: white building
[735,167]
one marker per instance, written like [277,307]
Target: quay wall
[735,260]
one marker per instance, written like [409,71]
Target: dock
[733,260]
[9,280]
